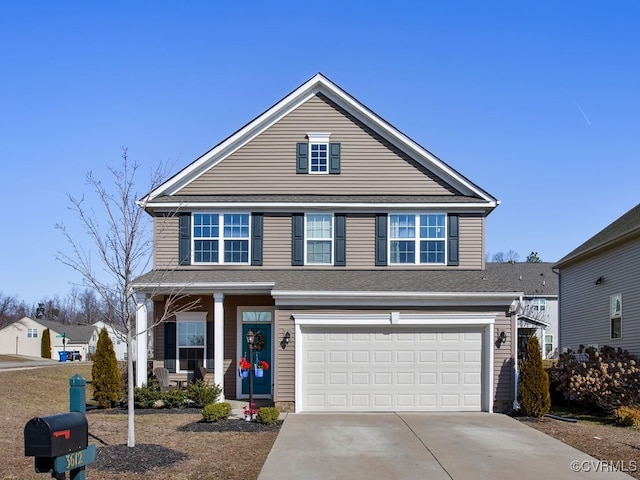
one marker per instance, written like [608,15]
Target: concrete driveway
[422,445]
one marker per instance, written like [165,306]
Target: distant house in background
[117,336]
[537,309]
[24,337]
[600,288]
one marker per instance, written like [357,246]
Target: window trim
[32,332]
[417,239]
[538,302]
[190,317]
[615,315]
[545,343]
[319,139]
[332,238]
[220,238]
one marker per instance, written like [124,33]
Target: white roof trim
[330,205]
[325,298]
[386,319]
[315,85]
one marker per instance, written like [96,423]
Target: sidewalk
[25,363]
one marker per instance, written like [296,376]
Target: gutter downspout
[516,371]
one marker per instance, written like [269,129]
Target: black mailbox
[56,435]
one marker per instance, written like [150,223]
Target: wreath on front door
[258,341]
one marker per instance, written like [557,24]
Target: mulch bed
[231,425]
[138,459]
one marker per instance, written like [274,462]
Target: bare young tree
[510,257]
[11,309]
[122,245]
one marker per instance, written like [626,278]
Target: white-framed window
[221,238]
[319,238]
[32,333]
[417,239]
[548,345]
[539,304]
[615,304]
[318,152]
[191,340]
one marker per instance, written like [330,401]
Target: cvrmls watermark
[604,466]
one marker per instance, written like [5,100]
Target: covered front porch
[212,335]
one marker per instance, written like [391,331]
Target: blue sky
[537,102]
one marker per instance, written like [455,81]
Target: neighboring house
[356,255]
[117,336]
[537,309]
[24,337]
[600,288]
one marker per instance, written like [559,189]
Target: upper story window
[221,238]
[32,333]
[318,155]
[539,304]
[319,239]
[417,239]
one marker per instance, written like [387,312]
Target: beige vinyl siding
[276,241]
[165,243]
[584,306]
[267,164]
[503,364]
[471,246]
[284,388]
[360,243]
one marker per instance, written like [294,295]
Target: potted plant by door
[260,367]
[243,368]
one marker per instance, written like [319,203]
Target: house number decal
[74,460]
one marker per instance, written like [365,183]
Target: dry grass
[45,391]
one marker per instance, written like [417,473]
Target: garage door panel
[371,369]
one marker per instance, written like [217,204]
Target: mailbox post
[60,443]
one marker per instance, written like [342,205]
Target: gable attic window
[32,333]
[318,156]
[417,239]
[220,238]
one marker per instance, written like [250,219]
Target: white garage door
[383,369]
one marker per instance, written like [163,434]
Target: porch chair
[162,374]
[199,374]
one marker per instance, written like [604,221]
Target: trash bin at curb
[63,356]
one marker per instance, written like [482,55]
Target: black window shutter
[340,247]
[170,346]
[302,158]
[334,158]
[184,245]
[453,241]
[381,239]
[297,239]
[256,238]
[209,346]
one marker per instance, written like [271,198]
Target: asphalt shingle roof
[625,226]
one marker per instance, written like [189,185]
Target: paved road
[434,446]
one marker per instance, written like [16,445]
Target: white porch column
[140,341]
[218,342]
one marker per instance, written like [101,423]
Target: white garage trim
[395,318]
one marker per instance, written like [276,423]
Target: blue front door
[261,352]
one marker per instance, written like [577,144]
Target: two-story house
[600,288]
[354,254]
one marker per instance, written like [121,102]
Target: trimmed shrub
[45,346]
[146,396]
[627,416]
[267,415]
[604,380]
[215,412]
[533,394]
[173,398]
[202,394]
[107,387]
